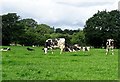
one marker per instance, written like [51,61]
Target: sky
[64,14]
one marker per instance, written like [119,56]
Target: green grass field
[20,64]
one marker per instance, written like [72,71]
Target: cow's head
[109,42]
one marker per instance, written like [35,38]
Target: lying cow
[86,48]
[54,43]
[72,48]
[109,46]
[5,49]
[78,46]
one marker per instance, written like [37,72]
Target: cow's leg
[74,50]
[45,50]
[51,49]
[112,51]
[69,50]
[107,50]
[83,49]
[61,49]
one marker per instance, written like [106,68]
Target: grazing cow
[54,43]
[5,49]
[109,46]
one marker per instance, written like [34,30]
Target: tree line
[29,32]
[101,26]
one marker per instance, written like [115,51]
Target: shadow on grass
[80,55]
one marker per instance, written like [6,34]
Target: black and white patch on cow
[109,46]
[69,48]
[86,48]
[5,49]
[54,43]
[72,48]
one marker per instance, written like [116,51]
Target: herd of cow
[51,44]
[60,43]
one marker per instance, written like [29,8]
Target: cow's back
[61,41]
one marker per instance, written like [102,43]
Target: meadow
[20,64]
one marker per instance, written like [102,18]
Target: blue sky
[64,14]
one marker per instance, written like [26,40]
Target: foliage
[58,30]
[29,36]
[44,29]
[78,38]
[101,26]
[98,29]
[27,32]
[11,29]
[28,23]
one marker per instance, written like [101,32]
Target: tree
[78,38]
[70,32]
[11,28]
[56,35]
[44,29]
[43,32]
[101,26]
[58,30]
[28,23]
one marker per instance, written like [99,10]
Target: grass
[20,64]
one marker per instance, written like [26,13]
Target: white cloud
[58,13]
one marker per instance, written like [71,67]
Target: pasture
[20,64]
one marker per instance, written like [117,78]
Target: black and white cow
[78,47]
[109,46]
[86,48]
[54,43]
[72,48]
[5,49]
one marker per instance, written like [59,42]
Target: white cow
[54,43]
[109,46]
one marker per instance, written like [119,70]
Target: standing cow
[54,43]
[109,46]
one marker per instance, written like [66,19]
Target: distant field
[20,64]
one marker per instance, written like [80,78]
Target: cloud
[85,4]
[70,14]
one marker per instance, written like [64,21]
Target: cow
[5,49]
[86,48]
[78,47]
[69,48]
[109,46]
[72,48]
[54,43]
